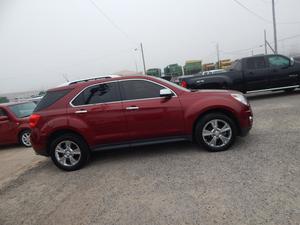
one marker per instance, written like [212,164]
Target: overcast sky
[40,40]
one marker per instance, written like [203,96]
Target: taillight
[33,120]
[184,84]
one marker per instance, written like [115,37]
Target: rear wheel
[69,152]
[215,132]
[24,138]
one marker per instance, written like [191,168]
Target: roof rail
[88,79]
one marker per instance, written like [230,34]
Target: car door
[150,116]
[283,73]
[7,128]
[256,73]
[99,108]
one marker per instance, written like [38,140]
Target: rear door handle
[81,111]
[132,108]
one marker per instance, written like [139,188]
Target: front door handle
[81,111]
[132,108]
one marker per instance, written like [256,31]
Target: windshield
[173,84]
[23,109]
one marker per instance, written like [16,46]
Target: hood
[215,92]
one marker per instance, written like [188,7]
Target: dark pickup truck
[252,74]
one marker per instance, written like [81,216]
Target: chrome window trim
[131,100]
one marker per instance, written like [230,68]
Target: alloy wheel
[25,138]
[67,153]
[217,133]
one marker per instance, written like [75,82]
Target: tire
[209,134]
[24,138]
[69,158]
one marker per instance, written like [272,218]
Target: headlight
[241,98]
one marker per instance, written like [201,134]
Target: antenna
[65,77]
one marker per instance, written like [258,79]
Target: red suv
[14,123]
[72,121]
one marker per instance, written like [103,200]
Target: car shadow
[10,147]
[177,148]
[145,151]
[266,95]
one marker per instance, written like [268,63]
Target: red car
[72,121]
[14,123]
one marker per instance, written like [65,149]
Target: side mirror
[3,118]
[167,93]
[292,62]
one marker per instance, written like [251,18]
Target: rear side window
[50,98]
[102,93]
[256,63]
[22,110]
[140,89]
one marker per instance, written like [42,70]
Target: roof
[87,79]
[87,82]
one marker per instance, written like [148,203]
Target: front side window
[22,110]
[278,61]
[256,63]
[140,89]
[101,93]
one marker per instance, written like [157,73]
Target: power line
[259,46]
[110,20]
[252,12]
[261,17]
[291,37]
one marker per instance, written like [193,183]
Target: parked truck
[251,74]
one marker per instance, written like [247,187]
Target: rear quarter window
[50,98]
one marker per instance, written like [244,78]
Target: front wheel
[215,132]
[69,152]
[24,138]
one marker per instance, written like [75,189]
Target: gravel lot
[256,182]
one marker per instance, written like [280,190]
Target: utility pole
[274,26]
[218,55]
[143,57]
[265,37]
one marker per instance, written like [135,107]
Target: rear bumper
[39,143]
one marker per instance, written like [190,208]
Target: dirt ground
[14,160]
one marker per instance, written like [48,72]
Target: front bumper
[246,121]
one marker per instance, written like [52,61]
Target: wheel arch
[59,132]
[217,110]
